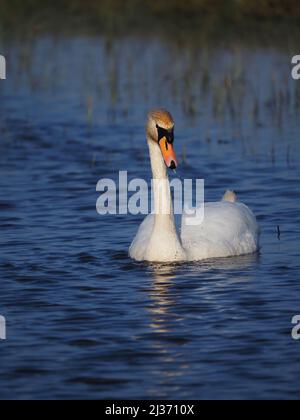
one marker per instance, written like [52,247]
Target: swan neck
[160,184]
[159,169]
[164,244]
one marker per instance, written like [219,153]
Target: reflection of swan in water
[165,276]
[169,324]
[229,228]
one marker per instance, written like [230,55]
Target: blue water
[83,320]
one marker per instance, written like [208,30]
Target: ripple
[86,258]
[6,206]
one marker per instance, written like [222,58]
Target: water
[83,320]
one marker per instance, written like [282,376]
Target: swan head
[160,129]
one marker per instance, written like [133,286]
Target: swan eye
[168,134]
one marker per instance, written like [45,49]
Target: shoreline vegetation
[203,23]
[119,16]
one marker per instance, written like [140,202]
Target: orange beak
[168,153]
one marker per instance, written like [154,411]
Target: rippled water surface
[83,320]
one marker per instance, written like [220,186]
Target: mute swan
[229,227]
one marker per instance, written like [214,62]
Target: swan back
[228,229]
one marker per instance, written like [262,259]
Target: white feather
[228,229]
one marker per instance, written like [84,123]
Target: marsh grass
[208,17]
[178,57]
[233,9]
[233,96]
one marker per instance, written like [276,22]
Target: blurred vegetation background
[117,15]
[223,64]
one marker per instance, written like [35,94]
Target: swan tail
[230,196]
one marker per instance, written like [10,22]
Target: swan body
[229,228]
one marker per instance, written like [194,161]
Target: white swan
[229,227]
